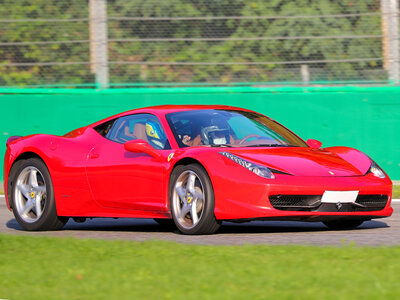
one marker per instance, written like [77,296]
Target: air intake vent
[313,203]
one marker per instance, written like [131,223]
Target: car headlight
[256,169]
[376,170]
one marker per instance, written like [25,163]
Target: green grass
[57,268]
[396,191]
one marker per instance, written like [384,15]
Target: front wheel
[192,200]
[32,197]
[343,224]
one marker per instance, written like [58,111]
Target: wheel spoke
[33,178]
[185,209]
[30,194]
[38,207]
[41,189]
[198,195]
[193,213]
[28,206]
[190,182]
[188,200]
[24,189]
[181,193]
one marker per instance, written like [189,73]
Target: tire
[192,200]
[32,197]
[343,224]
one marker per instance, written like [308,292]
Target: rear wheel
[33,197]
[343,224]
[192,200]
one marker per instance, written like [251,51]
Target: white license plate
[339,196]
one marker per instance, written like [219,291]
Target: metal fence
[119,43]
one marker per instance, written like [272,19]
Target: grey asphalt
[380,232]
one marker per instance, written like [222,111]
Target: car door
[122,179]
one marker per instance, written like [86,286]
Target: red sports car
[197,165]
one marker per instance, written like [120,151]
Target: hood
[307,161]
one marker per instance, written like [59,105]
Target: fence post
[390,40]
[98,42]
[305,74]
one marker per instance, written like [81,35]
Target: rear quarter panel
[65,159]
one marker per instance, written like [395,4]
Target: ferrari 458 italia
[194,166]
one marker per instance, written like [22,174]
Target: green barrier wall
[367,118]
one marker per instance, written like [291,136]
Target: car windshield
[229,128]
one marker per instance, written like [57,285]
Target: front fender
[235,187]
[353,156]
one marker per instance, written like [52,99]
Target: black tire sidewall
[49,210]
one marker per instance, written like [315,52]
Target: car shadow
[148,226]
[288,226]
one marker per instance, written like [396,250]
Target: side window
[183,127]
[140,126]
[104,128]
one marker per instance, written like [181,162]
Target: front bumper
[251,199]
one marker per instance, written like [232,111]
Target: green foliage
[44,31]
[396,192]
[273,51]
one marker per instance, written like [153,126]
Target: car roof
[175,108]
[166,109]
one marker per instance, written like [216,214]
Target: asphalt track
[380,232]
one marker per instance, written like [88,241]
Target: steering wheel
[248,137]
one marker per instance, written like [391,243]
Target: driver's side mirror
[314,143]
[140,146]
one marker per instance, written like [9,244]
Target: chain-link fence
[176,42]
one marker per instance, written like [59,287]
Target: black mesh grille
[313,203]
[372,200]
[295,201]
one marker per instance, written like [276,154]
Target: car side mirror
[314,143]
[140,146]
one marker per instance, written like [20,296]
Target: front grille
[375,201]
[313,203]
[295,201]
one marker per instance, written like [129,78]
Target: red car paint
[95,177]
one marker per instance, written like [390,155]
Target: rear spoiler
[12,139]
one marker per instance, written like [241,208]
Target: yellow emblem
[32,194]
[189,199]
[170,156]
